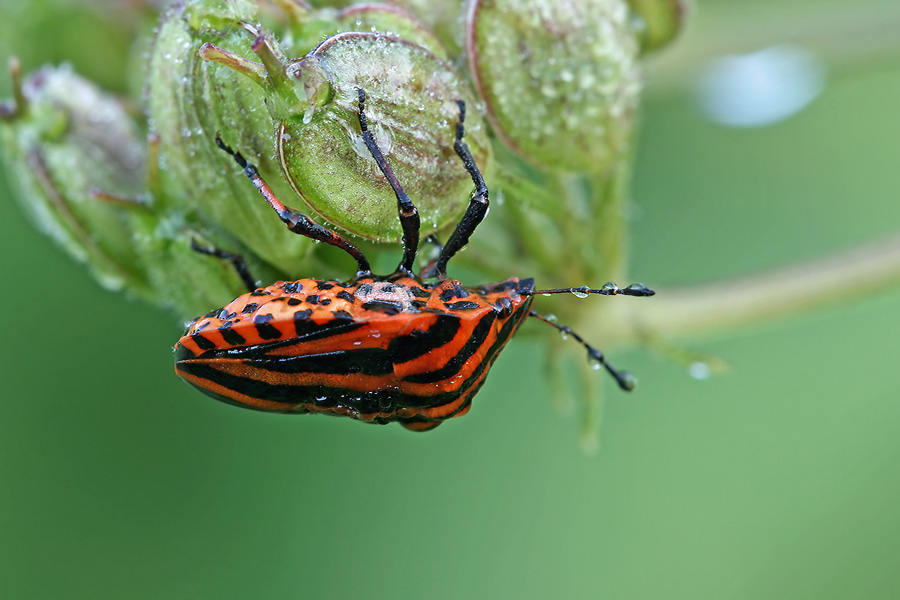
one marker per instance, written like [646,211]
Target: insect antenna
[608,289]
[295,220]
[623,378]
[409,216]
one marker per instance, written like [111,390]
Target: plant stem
[718,307]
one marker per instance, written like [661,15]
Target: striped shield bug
[412,348]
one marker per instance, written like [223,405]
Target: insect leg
[478,203]
[409,216]
[295,220]
[236,260]
[623,378]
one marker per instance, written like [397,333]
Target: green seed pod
[658,22]
[183,279]
[77,162]
[412,112]
[391,21]
[190,100]
[75,157]
[560,79]
[306,27]
[445,18]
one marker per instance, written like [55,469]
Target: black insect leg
[623,378]
[409,216]
[478,203]
[295,220]
[236,260]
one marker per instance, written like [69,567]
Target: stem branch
[737,303]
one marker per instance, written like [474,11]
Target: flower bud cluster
[551,87]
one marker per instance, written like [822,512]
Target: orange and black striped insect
[408,348]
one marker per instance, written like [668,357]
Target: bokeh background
[778,479]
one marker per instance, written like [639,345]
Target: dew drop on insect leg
[581,292]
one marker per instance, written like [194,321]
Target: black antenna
[608,289]
[623,378]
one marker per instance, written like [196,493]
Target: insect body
[400,348]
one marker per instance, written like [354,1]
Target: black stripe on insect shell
[313,332]
[463,305]
[388,307]
[230,335]
[305,327]
[361,361]
[203,342]
[502,337]
[321,396]
[266,330]
[420,342]
[479,334]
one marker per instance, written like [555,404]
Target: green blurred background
[778,479]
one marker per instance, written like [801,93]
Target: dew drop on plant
[609,286]
[699,370]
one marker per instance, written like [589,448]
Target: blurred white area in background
[763,87]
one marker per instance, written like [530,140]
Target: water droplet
[637,287]
[546,294]
[628,381]
[610,287]
[581,292]
[551,317]
[564,335]
[699,370]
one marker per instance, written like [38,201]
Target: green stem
[609,230]
[718,307]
